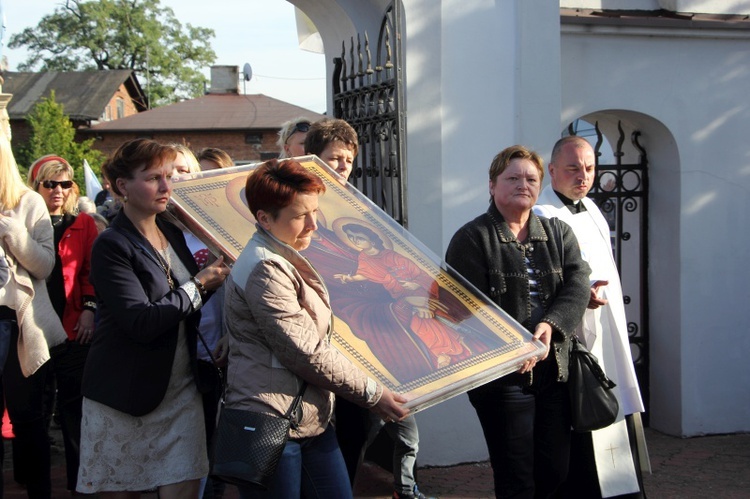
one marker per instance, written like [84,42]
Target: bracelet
[198,284]
[89,305]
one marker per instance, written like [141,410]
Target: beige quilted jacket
[279,320]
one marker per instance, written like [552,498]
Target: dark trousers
[211,399]
[24,398]
[352,430]
[68,361]
[527,435]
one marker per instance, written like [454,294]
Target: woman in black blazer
[142,415]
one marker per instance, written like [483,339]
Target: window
[120,108]
[253,138]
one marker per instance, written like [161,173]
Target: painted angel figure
[413,295]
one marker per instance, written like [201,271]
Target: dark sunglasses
[51,184]
[302,126]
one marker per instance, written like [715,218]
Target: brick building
[87,97]
[245,126]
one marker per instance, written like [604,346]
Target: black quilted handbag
[247,445]
[593,403]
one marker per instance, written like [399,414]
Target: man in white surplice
[610,469]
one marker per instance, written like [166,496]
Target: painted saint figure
[415,304]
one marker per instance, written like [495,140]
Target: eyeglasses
[302,126]
[52,184]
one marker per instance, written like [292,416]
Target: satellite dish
[247,71]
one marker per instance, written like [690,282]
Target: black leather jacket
[488,255]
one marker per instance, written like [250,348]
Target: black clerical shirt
[573,206]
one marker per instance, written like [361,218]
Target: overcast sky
[259,32]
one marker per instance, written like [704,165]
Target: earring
[125,198]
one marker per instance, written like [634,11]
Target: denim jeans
[309,467]
[405,436]
[528,437]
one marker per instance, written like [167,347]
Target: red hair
[273,185]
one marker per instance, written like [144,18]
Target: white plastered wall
[481,76]
[688,95]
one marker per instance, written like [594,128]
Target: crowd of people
[143,333]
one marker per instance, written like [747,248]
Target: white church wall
[696,88]
[707,6]
[492,83]
[611,4]
[481,75]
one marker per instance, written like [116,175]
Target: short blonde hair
[288,128]
[192,162]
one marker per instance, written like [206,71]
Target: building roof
[654,18]
[83,94]
[212,112]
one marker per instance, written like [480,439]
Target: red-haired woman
[279,321]
[71,293]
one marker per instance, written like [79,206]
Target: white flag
[93,186]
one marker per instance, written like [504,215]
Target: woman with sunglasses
[71,293]
[292,137]
[27,320]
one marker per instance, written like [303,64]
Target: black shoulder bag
[247,445]
[593,403]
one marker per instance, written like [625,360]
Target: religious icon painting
[401,314]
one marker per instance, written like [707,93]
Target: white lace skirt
[120,452]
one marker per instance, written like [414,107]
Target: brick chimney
[225,80]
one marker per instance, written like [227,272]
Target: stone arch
[339,20]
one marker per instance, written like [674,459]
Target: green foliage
[122,34]
[53,133]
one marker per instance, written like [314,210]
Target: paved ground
[715,467]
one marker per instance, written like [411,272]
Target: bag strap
[292,414]
[578,348]
[557,234]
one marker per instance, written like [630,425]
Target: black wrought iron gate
[371,99]
[621,192]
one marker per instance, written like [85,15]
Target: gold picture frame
[401,314]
